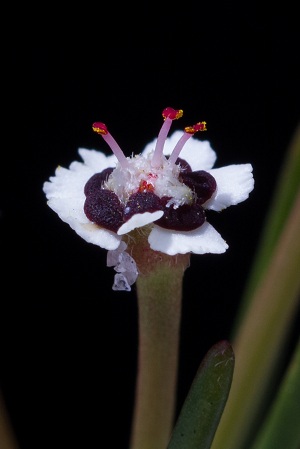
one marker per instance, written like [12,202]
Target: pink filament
[160,142]
[115,149]
[178,147]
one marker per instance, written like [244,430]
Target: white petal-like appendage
[199,241]
[65,194]
[76,219]
[198,153]
[68,183]
[96,160]
[139,220]
[84,171]
[234,183]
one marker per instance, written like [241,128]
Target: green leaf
[286,189]
[205,402]
[282,429]
[262,339]
[263,332]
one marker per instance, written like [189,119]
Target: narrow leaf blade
[286,190]
[205,402]
[281,429]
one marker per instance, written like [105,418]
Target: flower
[166,188]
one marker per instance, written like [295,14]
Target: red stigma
[200,126]
[172,114]
[100,128]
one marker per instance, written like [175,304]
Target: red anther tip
[200,126]
[171,113]
[100,128]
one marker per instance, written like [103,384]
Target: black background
[68,342]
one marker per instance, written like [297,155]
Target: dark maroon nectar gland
[162,190]
[184,218]
[96,181]
[103,208]
[201,182]
[140,202]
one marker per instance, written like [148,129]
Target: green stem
[159,291]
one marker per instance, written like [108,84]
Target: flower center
[165,188]
[141,176]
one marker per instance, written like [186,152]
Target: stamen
[189,131]
[100,128]
[169,115]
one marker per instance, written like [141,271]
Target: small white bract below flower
[167,187]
